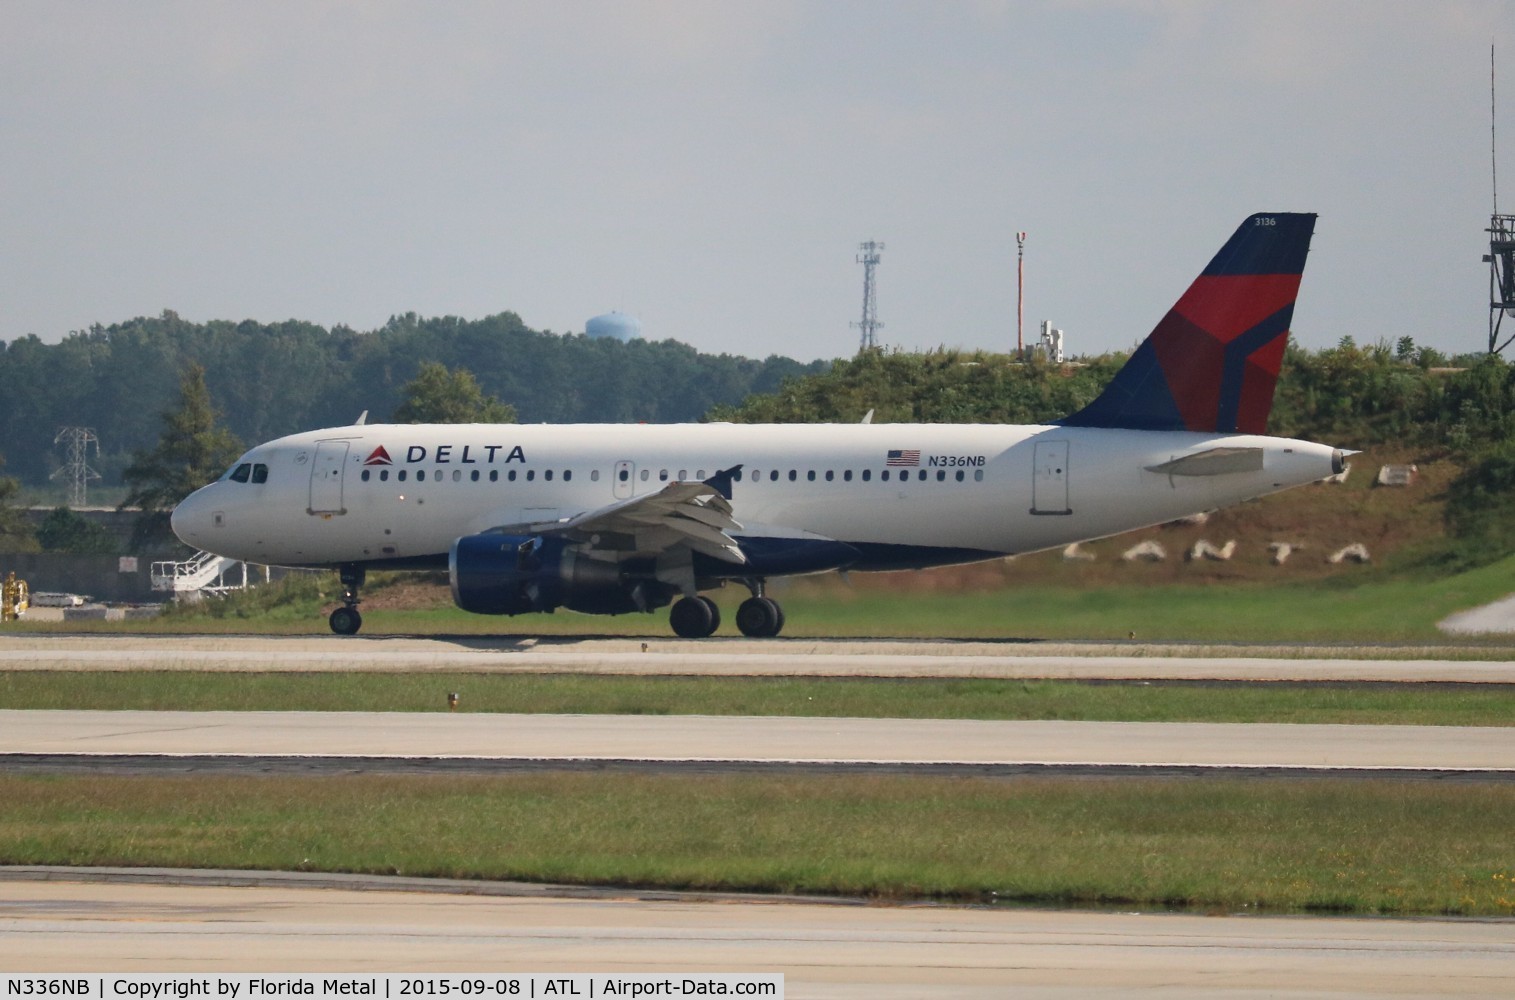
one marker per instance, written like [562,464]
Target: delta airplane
[615,518]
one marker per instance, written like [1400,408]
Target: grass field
[968,698]
[1317,846]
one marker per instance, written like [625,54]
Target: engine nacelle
[494,574]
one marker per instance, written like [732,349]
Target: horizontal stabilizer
[1214,462]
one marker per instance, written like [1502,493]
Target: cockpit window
[260,473]
[240,473]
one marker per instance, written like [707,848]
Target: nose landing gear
[346,620]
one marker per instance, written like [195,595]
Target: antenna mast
[869,258]
[1501,255]
[1020,295]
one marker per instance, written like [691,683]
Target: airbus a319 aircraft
[616,518]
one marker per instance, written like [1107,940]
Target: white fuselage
[907,494]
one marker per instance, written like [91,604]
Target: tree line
[270,379]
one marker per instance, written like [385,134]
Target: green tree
[440,396]
[15,531]
[193,449]
[65,530]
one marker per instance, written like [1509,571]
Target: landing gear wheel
[760,617]
[715,614]
[694,617]
[346,621]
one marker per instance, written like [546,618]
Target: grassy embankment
[1323,845]
[1356,607]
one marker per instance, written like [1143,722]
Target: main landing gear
[758,617]
[346,620]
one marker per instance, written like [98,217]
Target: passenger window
[683,475]
[793,475]
[941,475]
[922,476]
[959,475]
[625,475]
[365,476]
[978,475]
[594,475]
[773,476]
[383,475]
[531,474]
[700,475]
[663,475]
[420,475]
[847,476]
[867,475]
[494,475]
[457,475]
[401,475]
[240,473]
[645,474]
[474,475]
[567,475]
[810,475]
[260,473]
[830,476]
[884,475]
[736,476]
[511,475]
[547,475]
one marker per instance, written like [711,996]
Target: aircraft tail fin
[1212,363]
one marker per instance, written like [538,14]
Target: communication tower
[76,442]
[1501,255]
[1020,295]
[869,258]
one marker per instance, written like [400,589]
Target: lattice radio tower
[1501,255]
[869,258]
[76,442]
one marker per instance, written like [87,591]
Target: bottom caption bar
[143,986]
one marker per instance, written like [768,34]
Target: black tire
[715,615]
[694,617]
[778,615]
[345,621]
[759,618]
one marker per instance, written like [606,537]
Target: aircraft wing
[694,515]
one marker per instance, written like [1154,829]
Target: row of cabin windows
[474,475]
[624,475]
[829,475]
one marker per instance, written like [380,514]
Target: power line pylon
[869,258]
[76,442]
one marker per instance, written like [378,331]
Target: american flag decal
[910,458]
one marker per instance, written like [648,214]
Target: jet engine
[497,574]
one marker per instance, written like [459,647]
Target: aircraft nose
[188,519]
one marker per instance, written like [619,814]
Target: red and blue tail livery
[1212,364]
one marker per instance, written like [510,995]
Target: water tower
[615,326]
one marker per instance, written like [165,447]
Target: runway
[749,657]
[825,951]
[711,740]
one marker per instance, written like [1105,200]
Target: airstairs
[202,573]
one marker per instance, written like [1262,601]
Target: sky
[711,166]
